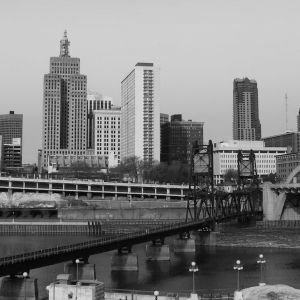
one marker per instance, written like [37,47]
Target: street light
[261,261]
[193,268]
[25,275]
[77,261]
[156,293]
[238,267]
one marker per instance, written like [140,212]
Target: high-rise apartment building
[64,106]
[177,138]
[246,124]
[140,121]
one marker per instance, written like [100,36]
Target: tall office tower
[246,124]
[64,106]
[298,121]
[177,138]
[95,101]
[140,121]
[11,126]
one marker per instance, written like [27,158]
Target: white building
[65,288]
[225,156]
[107,134]
[140,123]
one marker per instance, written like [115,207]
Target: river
[215,266]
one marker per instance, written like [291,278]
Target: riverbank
[259,237]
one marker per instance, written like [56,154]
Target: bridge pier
[207,237]
[86,271]
[158,251]
[272,203]
[17,288]
[124,260]
[184,244]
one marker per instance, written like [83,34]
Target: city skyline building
[95,101]
[225,157]
[140,114]
[246,124]
[107,132]
[64,106]
[11,130]
[290,140]
[11,126]
[177,138]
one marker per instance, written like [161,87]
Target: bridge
[206,206]
[17,264]
[93,189]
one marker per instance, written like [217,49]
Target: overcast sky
[200,47]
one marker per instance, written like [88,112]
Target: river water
[215,266]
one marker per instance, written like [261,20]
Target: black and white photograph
[149,149]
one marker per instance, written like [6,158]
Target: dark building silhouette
[177,137]
[246,124]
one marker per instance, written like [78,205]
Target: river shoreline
[256,237]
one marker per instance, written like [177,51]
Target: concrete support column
[168,195]
[207,238]
[16,288]
[272,203]
[184,245]
[86,271]
[50,188]
[102,196]
[158,251]
[23,187]
[155,193]
[116,192]
[124,260]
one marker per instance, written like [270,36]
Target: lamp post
[156,293]
[25,275]
[77,261]
[238,267]
[261,261]
[193,268]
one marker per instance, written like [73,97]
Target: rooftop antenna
[286,112]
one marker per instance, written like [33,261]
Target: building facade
[291,140]
[177,138]
[95,101]
[64,106]
[298,121]
[225,157]
[246,124]
[107,133]
[12,155]
[286,163]
[11,126]
[140,121]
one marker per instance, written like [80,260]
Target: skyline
[200,47]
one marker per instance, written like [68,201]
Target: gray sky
[200,47]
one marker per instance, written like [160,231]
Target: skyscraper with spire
[64,106]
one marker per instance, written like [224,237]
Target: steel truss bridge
[206,206]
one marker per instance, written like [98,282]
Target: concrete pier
[186,245]
[16,288]
[85,271]
[207,238]
[157,252]
[124,262]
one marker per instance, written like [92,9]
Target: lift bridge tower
[207,200]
